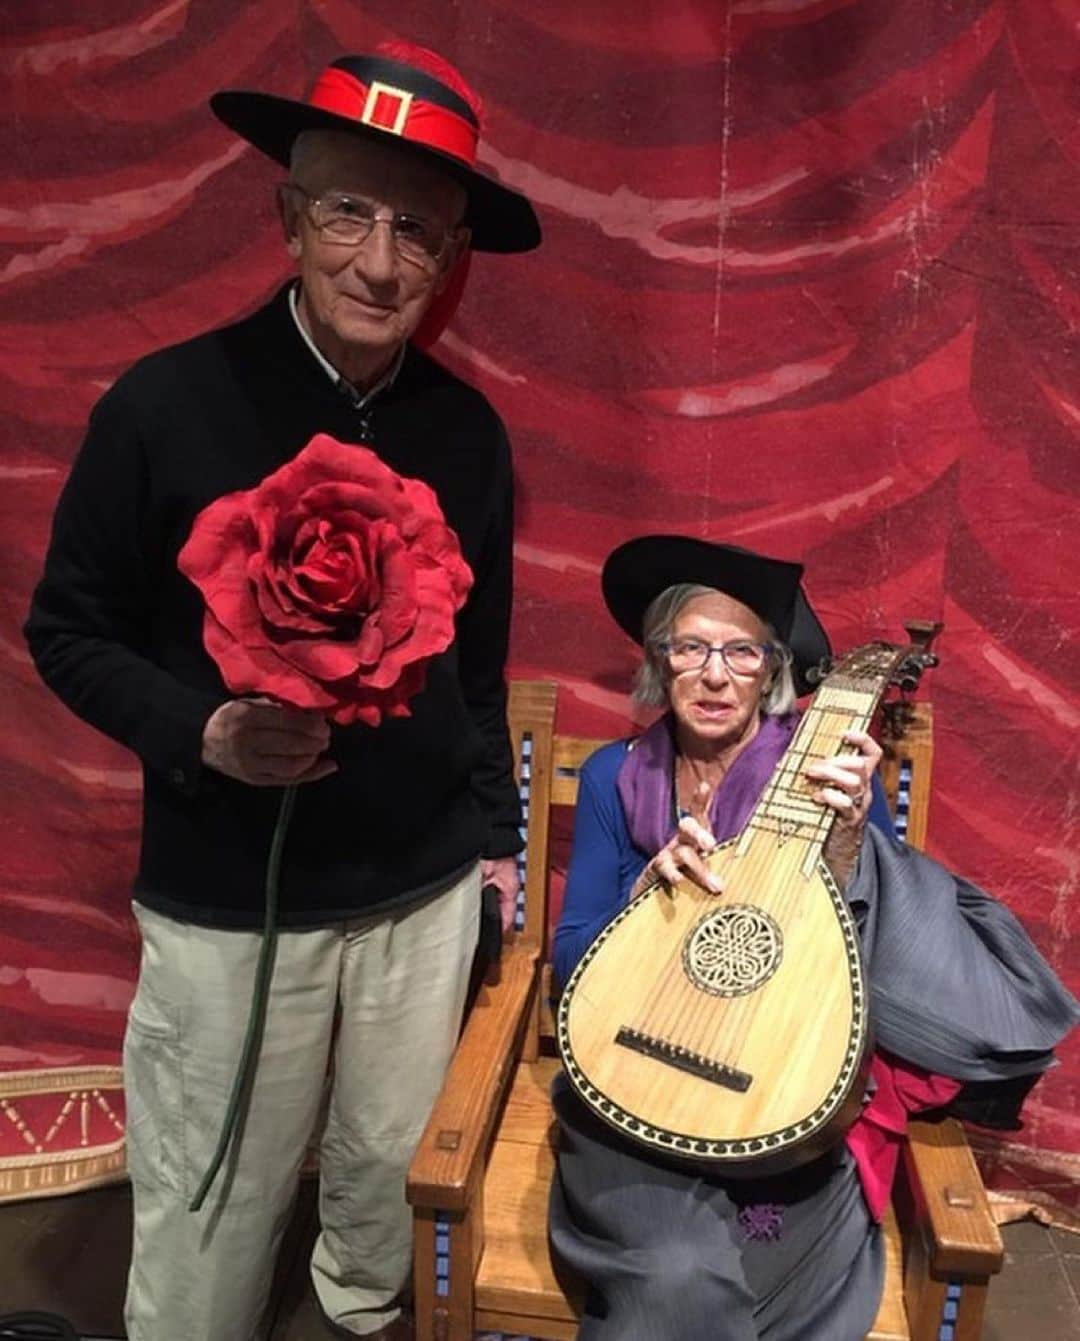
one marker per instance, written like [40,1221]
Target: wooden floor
[68,1255]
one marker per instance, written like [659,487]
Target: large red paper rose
[330,585]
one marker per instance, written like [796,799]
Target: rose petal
[320,658]
[278,605]
[256,670]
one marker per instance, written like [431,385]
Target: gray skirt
[669,1254]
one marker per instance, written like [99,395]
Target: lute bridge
[682,1059]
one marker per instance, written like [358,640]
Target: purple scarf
[646,781]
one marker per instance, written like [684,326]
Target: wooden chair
[480,1178]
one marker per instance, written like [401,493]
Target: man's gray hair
[653,676]
[306,149]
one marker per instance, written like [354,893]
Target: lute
[732,1029]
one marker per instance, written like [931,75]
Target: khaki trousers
[394,987]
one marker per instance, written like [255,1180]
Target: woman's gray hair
[653,676]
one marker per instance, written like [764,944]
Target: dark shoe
[402,1328]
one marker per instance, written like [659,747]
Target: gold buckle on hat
[404,102]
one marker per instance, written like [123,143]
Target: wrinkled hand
[266,744]
[683,855]
[502,872]
[845,787]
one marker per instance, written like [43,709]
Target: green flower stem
[249,1055]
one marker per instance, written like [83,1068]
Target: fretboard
[845,702]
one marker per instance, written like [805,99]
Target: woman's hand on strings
[843,783]
[683,856]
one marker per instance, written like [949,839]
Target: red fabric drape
[810,284]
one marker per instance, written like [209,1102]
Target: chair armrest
[946,1200]
[448,1159]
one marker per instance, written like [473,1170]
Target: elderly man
[395,827]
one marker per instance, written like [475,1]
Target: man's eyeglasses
[741,658]
[349,220]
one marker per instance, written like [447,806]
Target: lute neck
[846,701]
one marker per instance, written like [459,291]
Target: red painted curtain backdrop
[810,283]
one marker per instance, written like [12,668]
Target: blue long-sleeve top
[604,862]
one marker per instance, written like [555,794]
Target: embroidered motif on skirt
[763,1221]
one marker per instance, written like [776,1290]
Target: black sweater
[116,630]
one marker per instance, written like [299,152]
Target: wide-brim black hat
[391,101]
[638,571]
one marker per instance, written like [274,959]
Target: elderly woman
[676,1252]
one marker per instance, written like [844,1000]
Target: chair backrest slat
[531,716]
[908,741]
[568,754]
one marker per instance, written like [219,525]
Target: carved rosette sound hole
[733,951]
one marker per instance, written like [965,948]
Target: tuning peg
[814,675]
[922,633]
[907,678]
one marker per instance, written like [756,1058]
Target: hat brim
[638,571]
[501,220]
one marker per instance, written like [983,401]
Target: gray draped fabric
[956,985]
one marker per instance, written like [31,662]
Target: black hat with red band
[391,99]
